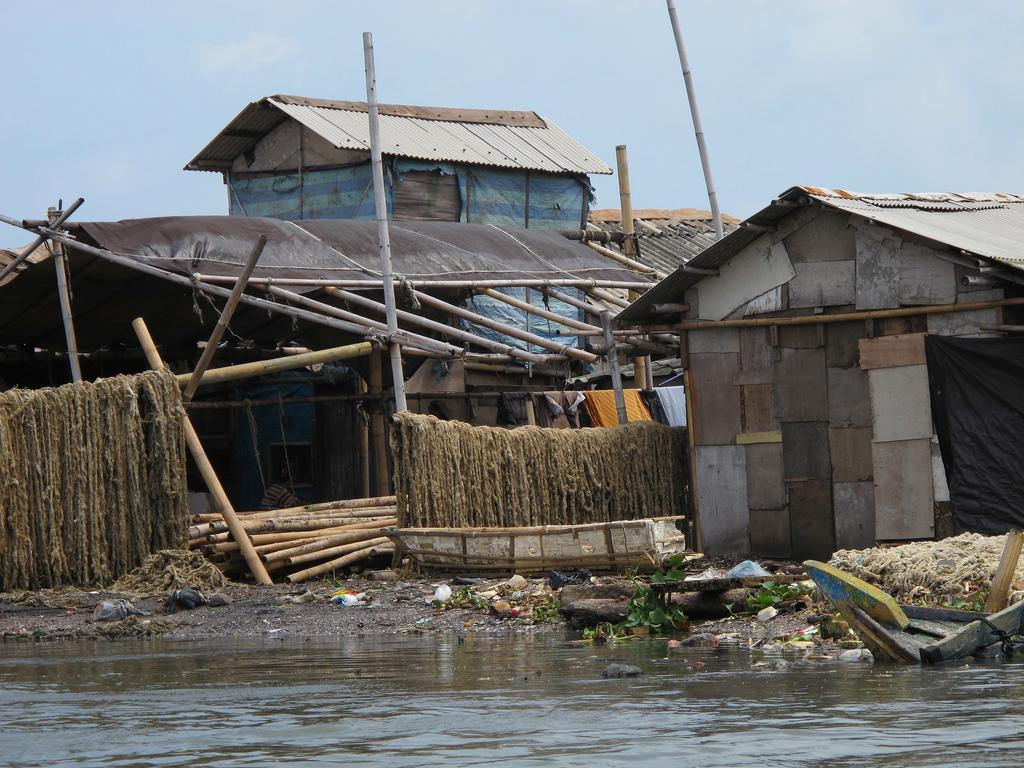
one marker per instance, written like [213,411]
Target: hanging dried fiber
[449,474]
[92,479]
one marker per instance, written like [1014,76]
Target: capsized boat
[913,634]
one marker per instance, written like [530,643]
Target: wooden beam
[613,362]
[999,594]
[277,364]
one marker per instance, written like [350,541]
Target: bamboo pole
[845,317]
[61,266]
[378,426]
[222,320]
[512,301]
[262,539]
[332,552]
[613,362]
[341,562]
[40,239]
[327,529]
[591,309]
[625,261]
[364,441]
[487,322]
[641,363]
[469,285]
[205,467]
[324,542]
[999,594]
[608,298]
[277,364]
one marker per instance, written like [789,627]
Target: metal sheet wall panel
[765,486]
[925,278]
[900,403]
[801,336]
[851,454]
[757,356]
[770,534]
[849,399]
[714,340]
[805,450]
[823,284]
[801,386]
[714,398]
[877,279]
[854,515]
[904,503]
[755,269]
[827,237]
[841,339]
[812,528]
[722,496]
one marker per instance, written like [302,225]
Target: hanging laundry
[673,403]
[601,407]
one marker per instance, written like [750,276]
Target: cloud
[258,50]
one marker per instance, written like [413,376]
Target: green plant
[463,598]
[549,610]
[652,610]
[772,594]
[605,632]
[671,571]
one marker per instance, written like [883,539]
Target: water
[520,701]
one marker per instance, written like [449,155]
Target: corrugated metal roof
[666,238]
[521,140]
[989,225]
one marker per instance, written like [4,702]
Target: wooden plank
[714,398]
[851,453]
[757,356]
[974,636]
[714,340]
[722,495]
[801,386]
[1003,579]
[754,438]
[849,398]
[758,408]
[877,272]
[892,351]
[900,403]
[841,339]
[757,268]
[812,533]
[805,450]
[765,486]
[854,511]
[924,278]
[769,533]
[904,507]
[823,284]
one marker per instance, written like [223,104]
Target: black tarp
[977,395]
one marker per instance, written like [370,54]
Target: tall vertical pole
[691,94]
[383,237]
[64,294]
[613,363]
[640,363]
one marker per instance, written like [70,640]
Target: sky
[112,99]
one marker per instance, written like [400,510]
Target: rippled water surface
[521,701]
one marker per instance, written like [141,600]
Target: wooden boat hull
[614,546]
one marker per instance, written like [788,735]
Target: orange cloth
[601,407]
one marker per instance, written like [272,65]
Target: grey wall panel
[925,278]
[904,505]
[849,398]
[900,404]
[765,486]
[801,336]
[759,408]
[968,323]
[805,452]
[769,533]
[823,284]
[829,237]
[714,340]
[722,494]
[877,270]
[801,387]
[851,454]
[757,356]
[841,339]
[812,529]
[715,398]
[854,515]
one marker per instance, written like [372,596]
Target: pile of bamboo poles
[301,543]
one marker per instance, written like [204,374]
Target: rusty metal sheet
[877,278]
[904,503]
[854,514]
[757,356]
[924,277]
[805,450]
[801,386]
[841,339]
[851,454]
[849,399]
[769,533]
[722,499]
[812,528]
[801,336]
[900,403]
[823,284]
[714,398]
[714,340]
[765,486]
[759,408]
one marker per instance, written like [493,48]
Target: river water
[520,701]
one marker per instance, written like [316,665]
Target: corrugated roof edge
[446,114]
[714,256]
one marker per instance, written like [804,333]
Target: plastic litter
[347,599]
[442,594]
[115,610]
[557,579]
[184,599]
[745,569]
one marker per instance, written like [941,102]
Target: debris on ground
[621,670]
[184,600]
[115,610]
[557,579]
[171,569]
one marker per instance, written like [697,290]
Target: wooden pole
[999,594]
[64,294]
[222,321]
[277,364]
[641,363]
[40,239]
[364,442]
[383,236]
[195,447]
[341,562]
[378,433]
[613,362]
[469,285]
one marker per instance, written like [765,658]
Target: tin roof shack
[292,157]
[804,349]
